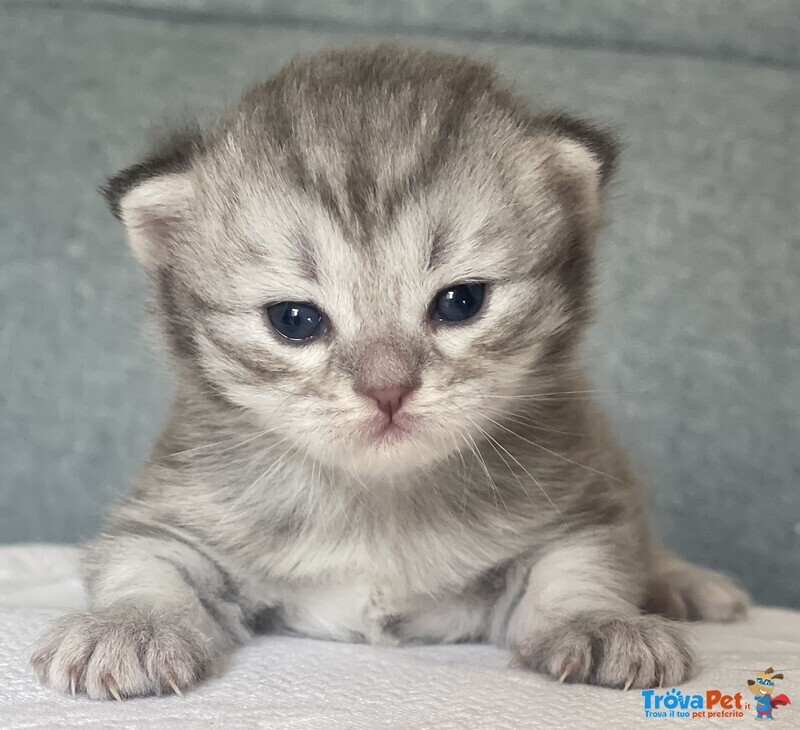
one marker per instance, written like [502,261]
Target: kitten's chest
[411,558]
[350,610]
[356,587]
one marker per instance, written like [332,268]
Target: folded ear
[156,212]
[586,157]
[598,145]
[154,198]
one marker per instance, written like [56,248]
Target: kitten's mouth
[390,431]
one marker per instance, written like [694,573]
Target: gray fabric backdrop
[697,348]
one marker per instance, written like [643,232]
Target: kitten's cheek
[462,344]
[454,342]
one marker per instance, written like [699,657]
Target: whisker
[314,479]
[341,504]
[502,458]
[467,477]
[354,475]
[217,443]
[460,456]
[530,422]
[567,395]
[248,439]
[555,453]
[266,473]
[242,443]
[482,462]
[521,466]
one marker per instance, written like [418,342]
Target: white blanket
[296,683]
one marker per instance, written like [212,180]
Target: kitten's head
[374,253]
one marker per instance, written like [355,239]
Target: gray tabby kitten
[373,276]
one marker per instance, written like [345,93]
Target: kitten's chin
[392,458]
[394,448]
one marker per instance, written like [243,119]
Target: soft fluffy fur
[365,182]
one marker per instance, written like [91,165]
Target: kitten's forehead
[283,242]
[335,179]
[304,220]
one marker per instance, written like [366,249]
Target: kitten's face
[377,308]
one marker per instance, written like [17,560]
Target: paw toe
[565,656]
[685,591]
[719,600]
[115,654]
[636,651]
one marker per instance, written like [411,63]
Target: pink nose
[390,400]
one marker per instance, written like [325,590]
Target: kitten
[373,276]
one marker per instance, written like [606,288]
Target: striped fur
[365,182]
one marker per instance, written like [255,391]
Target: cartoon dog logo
[762,687]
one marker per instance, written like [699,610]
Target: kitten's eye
[296,321]
[458,302]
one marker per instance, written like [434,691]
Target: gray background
[697,349]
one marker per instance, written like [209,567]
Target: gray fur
[366,181]
[139,650]
[643,651]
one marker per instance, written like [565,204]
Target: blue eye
[458,302]
[296,321]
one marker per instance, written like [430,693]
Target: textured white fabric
[296,683]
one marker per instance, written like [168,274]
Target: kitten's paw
[623,652]
[685,591]
[121,652]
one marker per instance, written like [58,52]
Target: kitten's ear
[587,157]
[596,148]
[154,199]
[155,213]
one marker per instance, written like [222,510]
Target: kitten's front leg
[575,616]
[162,616]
